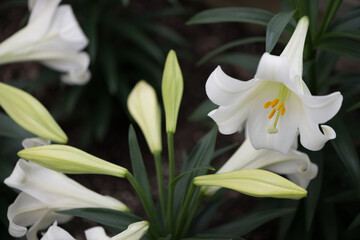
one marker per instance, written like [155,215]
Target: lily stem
[170,139]
[160,180]
[150,211]
[184,210]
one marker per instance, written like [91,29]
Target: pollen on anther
[280,106]
[272,113]
[283,111]
[274,102]
[266,105]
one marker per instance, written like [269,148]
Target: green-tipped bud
[30,114]
[135,231]
[254,182]
[144,108]
[66,159]
[172,90]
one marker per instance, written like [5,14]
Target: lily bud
[66,159]
[30,114]
[254,182]
[144,108]
[172,90]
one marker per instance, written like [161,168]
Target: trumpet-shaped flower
[134,232]
[276,103]
[295,164]
[43,192]
[53,37]
[145,109]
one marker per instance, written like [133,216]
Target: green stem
[184,209]
[150,211]
[160,180]
[170,138]
[192,214]
[331,8]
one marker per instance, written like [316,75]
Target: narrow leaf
[137,164]
[347,21]
[111,218]
[342,46]
[355,223]
[250,222]
[244,60]
[173,183]
[229,46]
[232,14]
[344,147]
[275,27]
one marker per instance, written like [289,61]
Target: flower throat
[278,104]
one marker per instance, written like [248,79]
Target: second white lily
[295,164]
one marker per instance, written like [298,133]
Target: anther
[272,113]
[266,105]
[274,102]
[280,106]
[283,111]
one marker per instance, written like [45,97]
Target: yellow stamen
[283,111]
[274,102]
[266,105]
[272,113]
[280,106]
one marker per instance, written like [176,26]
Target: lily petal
[57,233]
[56,189]
[96,233]
[224,90]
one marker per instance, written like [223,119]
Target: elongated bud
[254,182]
[172,90]
[66,159]
[135,231]
[144,108]
[30,114]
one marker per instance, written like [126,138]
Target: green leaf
[201,112]
[314,190]
[244,60]
[232,14]
[200,156]
[328,222]
[137,164]
[275,27]
[324,66]
[250,222]
[355,223]
[344,147]
[173,183]
[312,12]
[225,149]
[110,69]
[342,46]
[132,32]
[215,237]
[229,46]
[347,21]
[354,34]
[111,218]
[353,107]
[8,128]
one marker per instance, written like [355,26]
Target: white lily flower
[276,103]
[45,191]
[295,165]
[134,232]
[53,37]
[55,232]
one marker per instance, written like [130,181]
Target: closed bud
[144,108]
[30,114]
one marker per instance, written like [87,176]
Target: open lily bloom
[276,103]
[134,232]
[45,191]
[295,165]
[53,37]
